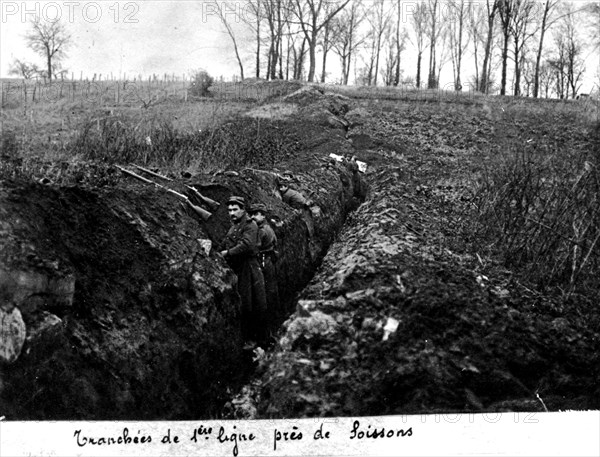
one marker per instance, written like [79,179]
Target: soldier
[297,201]
[358,186]
[292,197]
[267,257]
[240,249]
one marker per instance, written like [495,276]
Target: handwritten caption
[234,436]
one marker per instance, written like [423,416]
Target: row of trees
[541,44]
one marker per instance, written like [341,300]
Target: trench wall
[126,317]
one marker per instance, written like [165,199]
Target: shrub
[540,209]
[201,81]
[9,145]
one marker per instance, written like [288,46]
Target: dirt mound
[321,107]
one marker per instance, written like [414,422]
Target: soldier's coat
[241,243]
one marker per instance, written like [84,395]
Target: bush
[540,208]
[201,81]
[9,144]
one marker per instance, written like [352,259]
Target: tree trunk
[536,78]
[517,88]
[269,61]
[398,46]
[257,46]
[504,63]
[458,82]
[378,52]
[349,61]
[280,55]
[312,54]
[325,50]
[49,66]
[485,74]
[431,79]
[419,57]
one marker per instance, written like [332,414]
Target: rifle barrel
[135,175]
[149,181]
[150,172]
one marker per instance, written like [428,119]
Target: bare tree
[313,15]
[395,41]
[49,39]
[296,47]
[506,14]
[458,42]
[326,44]
[527,68]
[545,78]
[380,21]
[418,19]
[522,18]
[491,11]
[549,6]
[444,55]
[433,32]
[575,64]
[23,69]
[476,23]
[558,65]
[222,10]
[400,41]
[567,62]
[347,39]
[254,20]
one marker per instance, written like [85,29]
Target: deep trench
[315,246]
[150,329]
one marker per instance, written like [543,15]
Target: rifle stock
[204,215]
[209,201]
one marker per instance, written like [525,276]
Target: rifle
[208,201]
[204,215]
[150,172]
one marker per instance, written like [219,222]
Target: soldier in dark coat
[267,257]
[240,249]
[292,197]
[297,201]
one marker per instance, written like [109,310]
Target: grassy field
[151,124]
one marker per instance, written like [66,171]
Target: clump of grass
[538,210]
[9,144]
[237,143]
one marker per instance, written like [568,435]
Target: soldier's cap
[258,208]
[236,200]
[283,181]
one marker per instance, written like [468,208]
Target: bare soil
[404,316]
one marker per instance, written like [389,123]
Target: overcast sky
[149,36]
[163,36]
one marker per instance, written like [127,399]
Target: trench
[126,317]
[401,318]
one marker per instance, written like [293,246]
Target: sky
[128,38]
[124,37]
